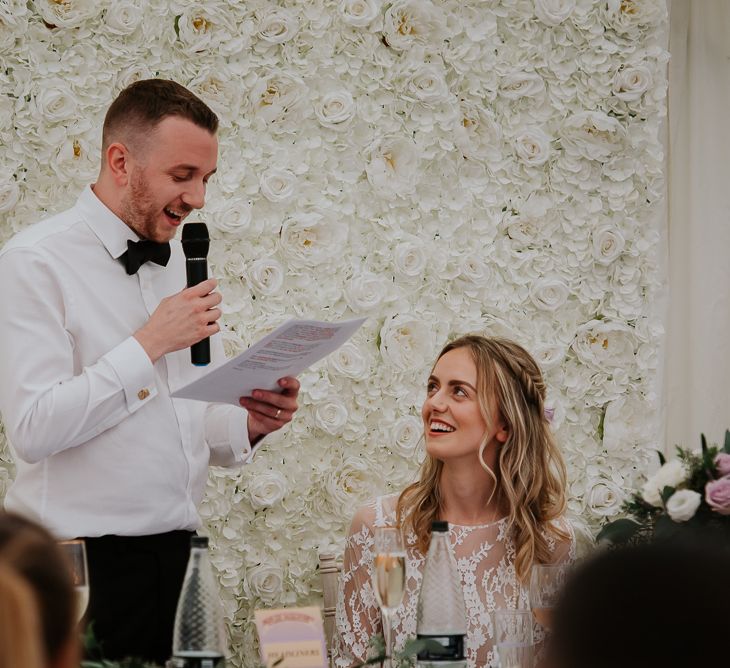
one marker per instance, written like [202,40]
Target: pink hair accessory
[549,413]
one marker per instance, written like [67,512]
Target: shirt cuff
[135,372]
[226,432]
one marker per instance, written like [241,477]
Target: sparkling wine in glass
[389,578]
[75,551]
[546,581]
[513,637]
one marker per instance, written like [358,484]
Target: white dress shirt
[99,444]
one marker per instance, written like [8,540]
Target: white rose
[233,216]
[592,134]
[475,270]
[359,13]
[605,345]
[671,474]
[410,259]
[277,185]
[56,103]
[365,291]
[521,84]
[409,21]
[533,147]
[630,83]
[331,416]
[266,276]
[553,12]
[608,244]
[266,488]
[280,98]
[549,294]
[221,91]
[14,21]
[478,135]
[122,17]
[350,482]
[428,84]
[406,342]
[69,13]
[405,434]
[683,505]
[605,498]
[206,28]
[9,195]
[625,423]
[266,581]
[278,26]
[392,167]
[549,356]
[311,239]
[335,108]
[349,361]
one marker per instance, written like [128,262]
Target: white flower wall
[439,167]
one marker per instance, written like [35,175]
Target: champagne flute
[546,581]
[75,551]
[389,579]
[513,637]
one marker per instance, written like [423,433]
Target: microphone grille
[195,240]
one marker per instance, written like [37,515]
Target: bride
[493,472]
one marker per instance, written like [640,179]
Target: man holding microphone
[95,331]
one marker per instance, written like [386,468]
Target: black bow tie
[139,252]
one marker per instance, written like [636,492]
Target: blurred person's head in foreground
[660,605]
[32,553]
[20,629]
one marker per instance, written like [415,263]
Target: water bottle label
[451,648]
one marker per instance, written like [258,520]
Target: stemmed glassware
[546,581]
[75,551]
[389,579]
[513,638]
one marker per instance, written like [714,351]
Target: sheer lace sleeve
[358,613]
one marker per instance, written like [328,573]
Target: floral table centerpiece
[691,491]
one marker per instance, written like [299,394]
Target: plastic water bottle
[198,633]
[441,610]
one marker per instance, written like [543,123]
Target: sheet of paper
[293,636]
[287,351]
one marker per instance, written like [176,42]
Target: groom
[95,328]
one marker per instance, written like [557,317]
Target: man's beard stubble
[138,208]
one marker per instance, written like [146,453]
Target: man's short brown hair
[143,104]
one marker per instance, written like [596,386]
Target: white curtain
[697,375]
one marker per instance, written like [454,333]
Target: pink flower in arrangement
[717,495]
[722,461]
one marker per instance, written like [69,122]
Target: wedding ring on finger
[278,413]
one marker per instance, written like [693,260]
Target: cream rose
[630,83]
[533,147]
[549,294]
[409,21]
[392,168]
[335,108]
[266,276]
[359,13]
[604,498]
[406,342]
[405,435]
[671,474]
[365,291]
[266,488]
[277,185]
[554,12]
[331,416]
[428,84]
[266,581]
[278,26]
[683,505]
[349,361]
[608,244]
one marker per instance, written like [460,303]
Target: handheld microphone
[195,243]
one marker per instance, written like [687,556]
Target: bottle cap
[199,541]
[439,525]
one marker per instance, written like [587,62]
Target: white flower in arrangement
[335,108]
[478,135]
[278,26]
[405,435]
[474,270]
[533,147]
[592,134]
[266,276]
[350,482]
[605,345]
[68,13]
[331,415]
[9,195]
[219,89]
[428,84]
[277,185]
[266,488]
[230,215]
[521,84]
[13,21]
[359,13]
[55,103]
[632,17]
[266,581]
[348,361]
[671,474]
[624,423]
[207,27]
[683,504]
[608,244]
[630,83]
[278,98]
[604,498]
[406,342]
[554,12]
[408,22]
[410,258]
[122,17]
[309,239]
[549,294]
[365,291]
[393,167]
[549,355]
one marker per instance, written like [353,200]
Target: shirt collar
[111,230]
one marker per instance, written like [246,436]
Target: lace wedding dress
[485,558]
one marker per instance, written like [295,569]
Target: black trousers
[134,585]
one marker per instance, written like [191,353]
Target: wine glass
[389,579]
[75,551]
[546,581]
[513,638]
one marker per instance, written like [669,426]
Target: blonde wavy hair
[530,478]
